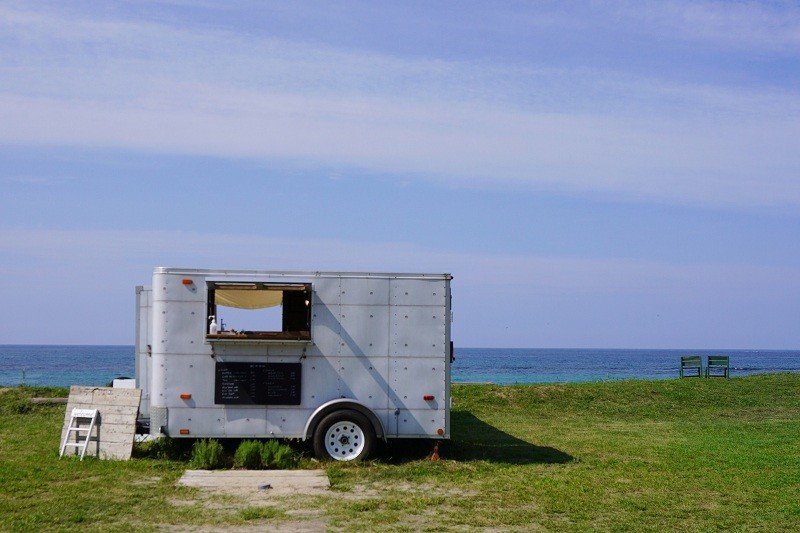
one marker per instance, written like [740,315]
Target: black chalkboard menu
[257,383]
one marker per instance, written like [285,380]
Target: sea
[62,366]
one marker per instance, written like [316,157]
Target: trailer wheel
[345,436]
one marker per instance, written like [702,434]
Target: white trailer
[342,358]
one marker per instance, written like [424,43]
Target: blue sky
[594,174]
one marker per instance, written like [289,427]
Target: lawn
[692,454]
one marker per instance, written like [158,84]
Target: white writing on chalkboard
[257,383]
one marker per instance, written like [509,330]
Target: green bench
[718,366]
[691,364]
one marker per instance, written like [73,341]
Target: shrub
[207,455]
[163,448]
[276,455]
[248,455]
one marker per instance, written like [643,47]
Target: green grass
[709,454]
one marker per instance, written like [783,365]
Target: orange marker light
[184,432]
[185,396]
[187,281]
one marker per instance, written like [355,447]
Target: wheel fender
[342,403]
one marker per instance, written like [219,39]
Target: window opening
[268,311]
[267,319]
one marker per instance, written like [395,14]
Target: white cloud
[78,81]
[747,25]
[722,161]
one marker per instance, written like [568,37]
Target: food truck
[343,359]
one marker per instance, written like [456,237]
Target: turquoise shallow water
[62,366]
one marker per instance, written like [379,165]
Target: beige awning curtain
[250,299]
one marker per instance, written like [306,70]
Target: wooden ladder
[74,427]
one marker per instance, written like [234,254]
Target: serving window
[258,311]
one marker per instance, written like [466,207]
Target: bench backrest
[690,360]
[718,360]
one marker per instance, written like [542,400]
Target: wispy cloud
[154,87]
[747,25]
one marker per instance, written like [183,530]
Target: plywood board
[112,437]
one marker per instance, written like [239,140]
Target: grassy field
[687,454]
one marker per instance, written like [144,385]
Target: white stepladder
[74,427]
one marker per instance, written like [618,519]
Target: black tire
[345,435]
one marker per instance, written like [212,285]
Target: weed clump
[277,456]
[271,454]
[207,454]
[163,448]
[248,455]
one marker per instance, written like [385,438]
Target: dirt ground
[258,485]
[296,493]
[241,489]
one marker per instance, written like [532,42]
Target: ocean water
[540,365]
[62,366]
